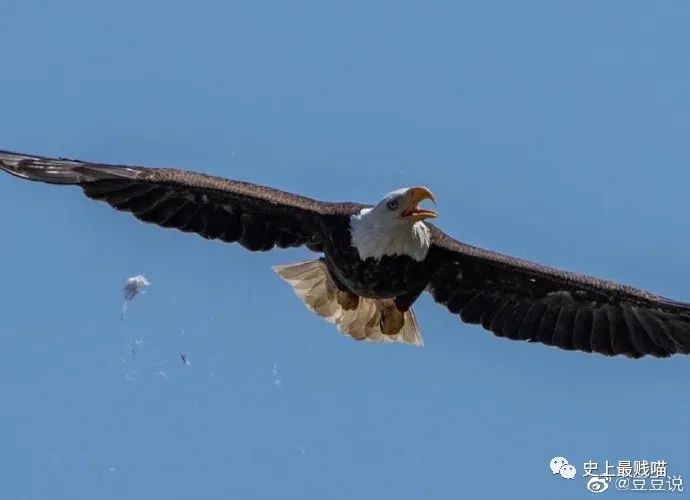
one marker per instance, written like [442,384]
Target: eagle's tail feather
[312,283]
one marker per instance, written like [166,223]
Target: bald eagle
[375,261]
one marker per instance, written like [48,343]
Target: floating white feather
[133,287]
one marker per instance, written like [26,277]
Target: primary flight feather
[377,260]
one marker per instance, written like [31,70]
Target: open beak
[412,198]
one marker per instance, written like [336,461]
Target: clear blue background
[556,131]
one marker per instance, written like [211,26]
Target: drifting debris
[274,371]
[133,287]
[132,347]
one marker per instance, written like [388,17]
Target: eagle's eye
[393,204]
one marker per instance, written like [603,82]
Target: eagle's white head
[394,226]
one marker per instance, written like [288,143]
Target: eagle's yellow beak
[413,196]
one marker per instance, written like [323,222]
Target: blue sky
[555,131]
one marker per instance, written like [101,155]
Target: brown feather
[258,217]
[518,299]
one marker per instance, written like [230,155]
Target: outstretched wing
[521,300]
[257,217]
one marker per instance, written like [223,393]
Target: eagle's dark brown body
[390,277]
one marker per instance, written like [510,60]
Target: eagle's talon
[392,321]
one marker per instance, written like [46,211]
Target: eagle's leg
[347,300]
[392,319]
[393,312]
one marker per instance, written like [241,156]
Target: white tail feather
[312,283]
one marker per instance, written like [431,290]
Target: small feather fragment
[133,287]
